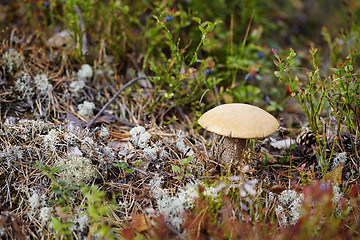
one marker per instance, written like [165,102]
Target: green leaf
[69,195]
[326,35]
[349,68]
[196,19]
[61,201]
[57,190]
[124,9]
[120,164]
[103,210]
[99,194]
[92,210]
[72,188]
[217,22]
[62,183]
[104,231]
[55,170]
[292,53]
[41,165]
[176,168]
[187,160]
[56,224]
[130,170]
[210,26]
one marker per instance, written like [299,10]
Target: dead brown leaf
[140,222]
[334,176]
[277,189]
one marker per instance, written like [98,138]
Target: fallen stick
[113,98]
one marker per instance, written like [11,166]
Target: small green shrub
[337,93]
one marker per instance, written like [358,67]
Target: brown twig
[113,98]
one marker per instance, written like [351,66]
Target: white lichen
[12,59]
[77,85]
[42,83]
[339,159]
[104,133]
[151,153]
[86,108]
[211,192]
[164,154]
[336,200]
[34,202]
[76,170]
[85,72]
[249,187]
[109,153]
[3,232]
[179,142]
[70,138]
[81,222]
[172,207]
[88,146]
[156,186]
[143,139]
[44,215]
[135,131]
[11,154]
[51,139]
[139,136]
[291,201]
[24,86]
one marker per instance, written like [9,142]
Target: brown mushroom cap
[239,120]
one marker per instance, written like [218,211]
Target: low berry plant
[99,102]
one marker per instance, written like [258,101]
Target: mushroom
[237,122]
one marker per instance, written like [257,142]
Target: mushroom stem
[231,150]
